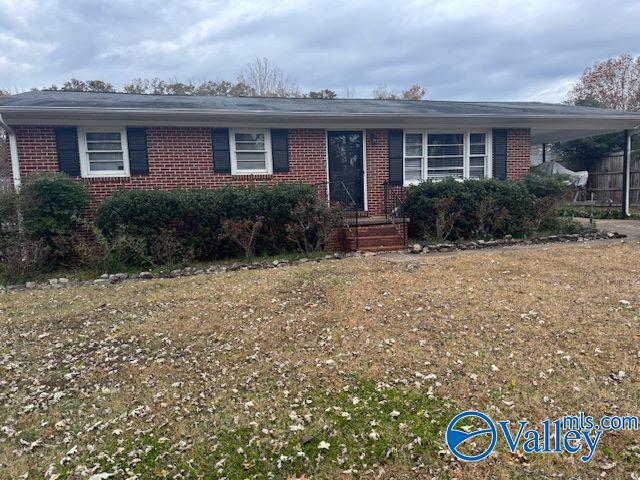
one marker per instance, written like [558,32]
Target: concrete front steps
[372,234]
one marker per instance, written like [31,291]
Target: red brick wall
[179,158]
[518,152]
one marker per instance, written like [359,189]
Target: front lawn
[338,369]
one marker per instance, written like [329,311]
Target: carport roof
[549,122]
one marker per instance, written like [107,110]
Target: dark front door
[346,172]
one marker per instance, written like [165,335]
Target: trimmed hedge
[455,210]
[195,217]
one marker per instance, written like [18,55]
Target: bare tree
[75,85]
[613,83]
[414,92]
[267,80]
[325,94]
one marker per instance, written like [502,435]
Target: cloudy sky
[458,49]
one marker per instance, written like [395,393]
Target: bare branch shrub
[489,217]
[243,233]
[313,225]
[446,217]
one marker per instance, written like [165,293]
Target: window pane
[106,166]
[476,161]
[104,146]
[446,150]
[250,165]
[477,138]
[254,156]
[413,151]
[476,172]
[98,156]
[102,136]
[413,169]
[413,139]
[250,137]
[478,149]
[445,162]
[439,174]
[250,146]
[445,139]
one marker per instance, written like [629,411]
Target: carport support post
[626,174]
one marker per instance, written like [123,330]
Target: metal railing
[5,184]
[338,189]
[394,197]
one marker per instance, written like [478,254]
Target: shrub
[8,209]
[243,233]
[50,204]
[21,259]
[195,218]
[313,225]
[544,185]
[460,210]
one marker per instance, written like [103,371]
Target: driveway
[631,228]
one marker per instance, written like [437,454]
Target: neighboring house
[118,140]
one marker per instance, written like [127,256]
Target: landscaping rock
[30,285]
[416,248]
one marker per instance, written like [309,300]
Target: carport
[589,122]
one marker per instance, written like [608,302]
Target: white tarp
[577,179]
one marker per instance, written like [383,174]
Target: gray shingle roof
[53,100]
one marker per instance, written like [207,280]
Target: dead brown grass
[523,334]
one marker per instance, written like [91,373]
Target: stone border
[508,240]
[416,248]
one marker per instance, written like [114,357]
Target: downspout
[13,148]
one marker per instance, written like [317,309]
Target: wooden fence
[605,180]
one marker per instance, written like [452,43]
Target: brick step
[379,248]
[381,242]
[377,230]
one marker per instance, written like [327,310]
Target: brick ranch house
[362,152]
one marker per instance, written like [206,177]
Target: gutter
[15,160]
[257,113]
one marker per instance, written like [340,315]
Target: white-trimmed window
[250,151]
[438,155]
[103,152]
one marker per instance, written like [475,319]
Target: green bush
[8,208]
[195,217]
[453,210]
[50,205]
[542,185]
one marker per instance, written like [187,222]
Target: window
[413,158]
[436,155]
[250,151]
[477,155]
[445,155]
[103,153]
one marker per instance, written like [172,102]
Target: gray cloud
[460,50]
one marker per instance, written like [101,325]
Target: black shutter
[68,154]
[221,155]
[280,150]
[396,155]
[500,154]
[138,156]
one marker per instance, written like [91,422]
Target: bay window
[438,155]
